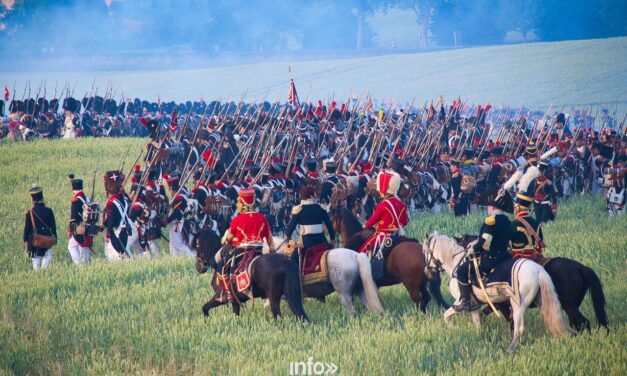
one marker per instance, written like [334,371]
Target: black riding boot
[466,303]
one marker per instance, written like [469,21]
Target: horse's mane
[208,244]
[441,241]
[356,235]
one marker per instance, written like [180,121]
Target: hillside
[534,75]
[144,317]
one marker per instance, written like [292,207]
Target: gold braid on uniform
[242,208]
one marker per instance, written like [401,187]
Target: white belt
[250,244]
[543,202]
[312,229]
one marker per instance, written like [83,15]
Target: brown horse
[405,263]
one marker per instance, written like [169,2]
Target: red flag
[173,123]
[6,93]
[293,96]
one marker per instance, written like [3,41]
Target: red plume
[133,180]
[319,103]
[144,121]
[343,108]
[137,167]
[166,176]
[488,107]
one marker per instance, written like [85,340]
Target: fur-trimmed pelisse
[388,182]
[113,181]
[526,186]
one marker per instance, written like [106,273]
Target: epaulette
[73,200]
[490,220]
[296,209]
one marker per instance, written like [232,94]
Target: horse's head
[441,252]
[207,245]
[432,264]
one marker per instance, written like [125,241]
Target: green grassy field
[144,317]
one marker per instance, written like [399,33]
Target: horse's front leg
[214,302]
[236,307]
[476,318]
[447,316]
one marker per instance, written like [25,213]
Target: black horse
[572,280]
[272,276]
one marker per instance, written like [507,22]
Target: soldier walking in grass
[40,230]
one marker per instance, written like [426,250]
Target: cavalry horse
[349,273]
[531,283]
[405,263]
[272,276]
[572,280]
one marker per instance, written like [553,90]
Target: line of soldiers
[274,150]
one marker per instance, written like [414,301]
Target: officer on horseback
[245,235]
[311,219]
[491,247]
[390,215]
[528,240]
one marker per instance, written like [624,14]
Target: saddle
[235,275]
[500,284]
[314,268]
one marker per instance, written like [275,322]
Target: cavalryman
[491,247]
[311,219]
[545,195]
[528,240]
[247,233]
[80,242]
[115,218]
[459,200]
[39,220]
[390,215]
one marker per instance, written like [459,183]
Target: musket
[124,158]
[141,152]
[93,187]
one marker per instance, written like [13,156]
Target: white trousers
[42,262]
[178,247]
[111,253]
[80,255]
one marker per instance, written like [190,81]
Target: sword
[476,264]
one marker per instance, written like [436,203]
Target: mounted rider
[389,217]
[528,239]
[243,240]
[312,219]
[491,247]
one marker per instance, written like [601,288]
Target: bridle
[429,258]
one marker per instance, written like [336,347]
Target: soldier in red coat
[244,238]
[390,215]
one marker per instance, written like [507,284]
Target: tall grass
[144,317]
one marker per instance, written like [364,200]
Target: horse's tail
[596,292]
[551,308]
[292,290]
[373,302]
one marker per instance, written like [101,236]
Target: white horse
[346,269]
[529,278]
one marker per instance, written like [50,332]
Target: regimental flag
[6,93]
[293,95]
[173,123]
